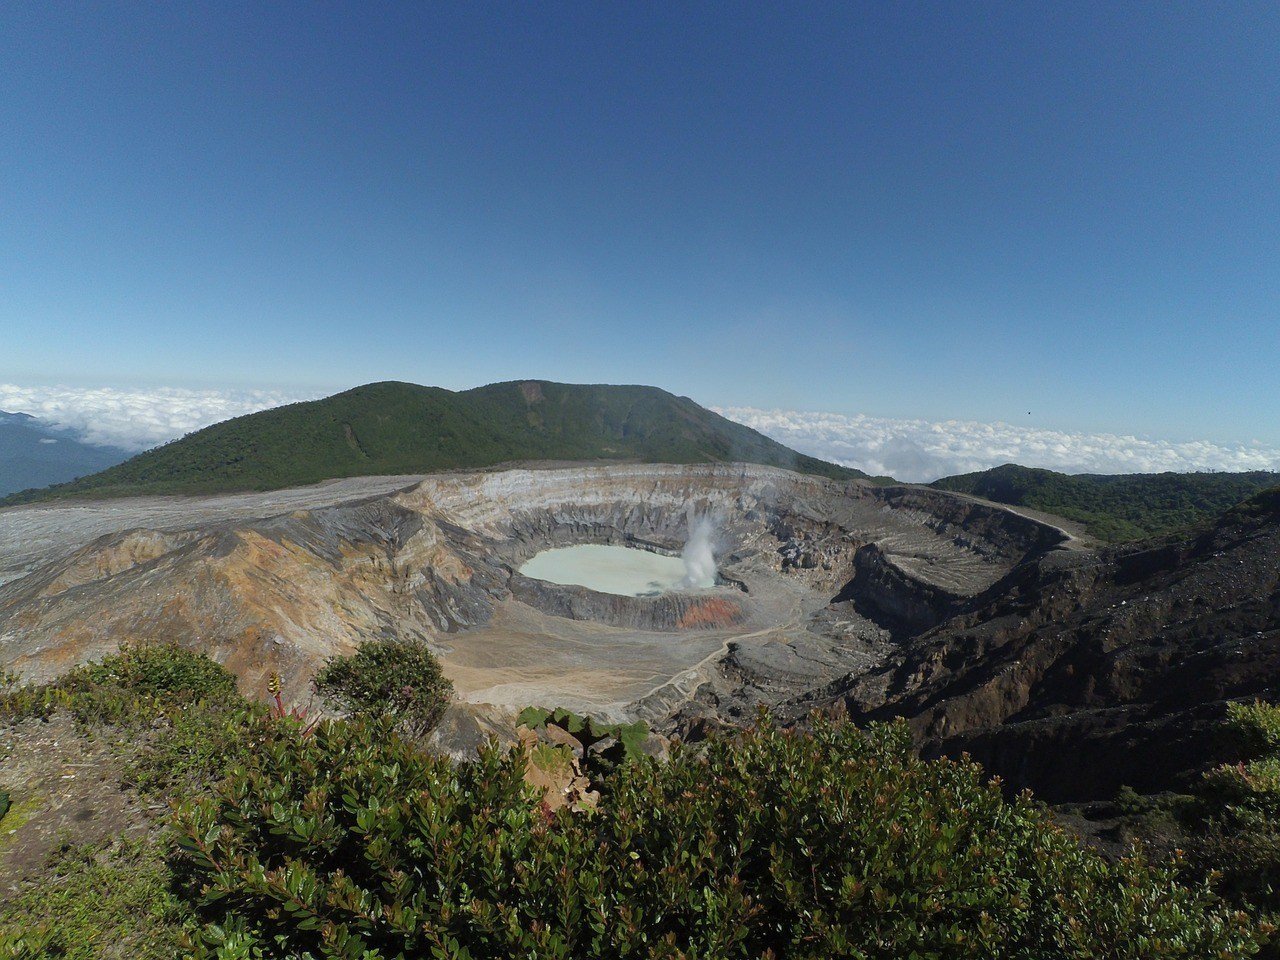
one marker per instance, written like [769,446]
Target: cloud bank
[136,419]
[923,450]
[915,450]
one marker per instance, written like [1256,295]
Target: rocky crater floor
[820,582]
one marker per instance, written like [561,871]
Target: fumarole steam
[699,554]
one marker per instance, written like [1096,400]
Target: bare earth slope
[33,535]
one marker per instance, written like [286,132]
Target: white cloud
[923,450]
[136,419]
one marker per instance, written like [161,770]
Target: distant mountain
[392,428]
[34,454]
[1116,507]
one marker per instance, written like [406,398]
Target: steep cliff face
[280,593]
[1082,672]
[888,594]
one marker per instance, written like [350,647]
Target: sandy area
[523,657]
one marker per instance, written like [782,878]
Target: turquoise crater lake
[623,571]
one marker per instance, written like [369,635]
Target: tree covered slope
[394,428]
[1115,507]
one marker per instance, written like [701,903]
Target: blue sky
[1062,216]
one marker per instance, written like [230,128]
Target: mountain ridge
[34,453]
[392,427]
[1115,507]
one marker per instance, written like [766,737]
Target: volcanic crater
[816,581]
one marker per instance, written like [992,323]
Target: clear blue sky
[937,210]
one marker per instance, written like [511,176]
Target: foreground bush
[1236,816]
[388,680]
[348,843]
[122,685]
[171,714]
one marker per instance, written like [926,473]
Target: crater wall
[719,609]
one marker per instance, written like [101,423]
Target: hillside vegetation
[1115,507]
[341,840]
[402,428]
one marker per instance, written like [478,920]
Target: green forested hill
[393,428]
[1115,507]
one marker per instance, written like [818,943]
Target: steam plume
[699,554]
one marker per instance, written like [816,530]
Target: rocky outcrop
[888,594]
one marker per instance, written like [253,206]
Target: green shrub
[388,680]
[533,717]
[20,701]
[114,690]
[1237,817]
[1256,727]
[157,670]
[350,843]
[5,803]
[630,737]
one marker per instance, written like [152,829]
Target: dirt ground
[523,657]
[66,789]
